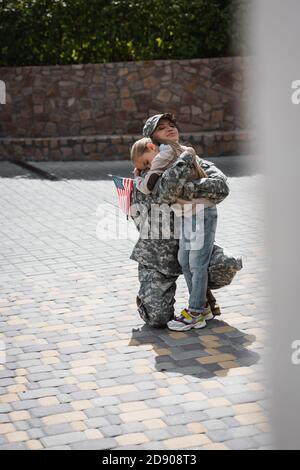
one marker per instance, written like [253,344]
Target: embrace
[186,189]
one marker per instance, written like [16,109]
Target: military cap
[152,123]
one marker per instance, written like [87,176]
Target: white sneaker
[186,322]
[208,315]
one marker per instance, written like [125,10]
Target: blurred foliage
[41,32]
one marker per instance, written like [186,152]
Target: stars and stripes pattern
[124,190]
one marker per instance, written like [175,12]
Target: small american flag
[124,190]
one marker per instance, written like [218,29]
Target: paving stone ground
[79,369]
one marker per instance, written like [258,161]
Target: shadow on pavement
[205,353]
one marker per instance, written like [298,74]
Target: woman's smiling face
[166,130]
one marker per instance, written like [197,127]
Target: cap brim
[169,116]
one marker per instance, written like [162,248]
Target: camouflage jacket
[160,253]
[177,182]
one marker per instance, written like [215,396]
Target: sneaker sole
[197,326]
[200,325]
[209,316]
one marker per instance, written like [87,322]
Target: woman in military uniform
[158,267]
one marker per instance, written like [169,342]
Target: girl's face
[166,130]
[143,162]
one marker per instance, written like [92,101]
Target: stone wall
[95,111]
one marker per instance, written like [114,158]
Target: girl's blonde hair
[139,148]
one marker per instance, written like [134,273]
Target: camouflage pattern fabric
[178,181]
[222,268]
[158,265]
[156,298]
[152,123]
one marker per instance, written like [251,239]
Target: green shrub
[41,32]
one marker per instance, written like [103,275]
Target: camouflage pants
[156,297]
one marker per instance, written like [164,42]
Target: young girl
[145,154]
[193,257]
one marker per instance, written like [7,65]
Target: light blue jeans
[195,248]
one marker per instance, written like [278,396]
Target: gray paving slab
[79,361]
